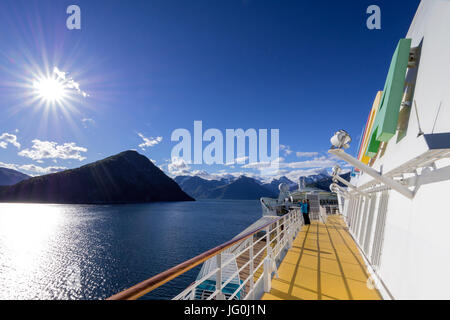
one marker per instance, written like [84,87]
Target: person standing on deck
[304,208]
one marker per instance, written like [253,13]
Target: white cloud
[294,175]
[306,154]
[263,171]
[285,149]
[87,122]
[204,175]
[6,138]
[263,176]
[69,82]
[179,167]
[240,160]
[320,162]
[41,170]
[149,142]
[51,150]
[262,165]
[32,169]
[8,165]
[222,174]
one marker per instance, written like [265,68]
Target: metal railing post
[296,226]
[251,271]
[220,295]
[267,284]
[267,263]
[278,244]
[289,232]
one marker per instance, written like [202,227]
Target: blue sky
[307,68]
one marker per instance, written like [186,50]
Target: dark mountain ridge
[8,177]
[247,188]
[197,187]
[244,188]
[127,177]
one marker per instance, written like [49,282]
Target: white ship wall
[415,243]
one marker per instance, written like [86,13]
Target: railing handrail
[154,282]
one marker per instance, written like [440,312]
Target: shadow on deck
[323,263]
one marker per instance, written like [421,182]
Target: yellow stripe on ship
[369,125]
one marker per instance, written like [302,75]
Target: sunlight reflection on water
[37,252]
[91,252]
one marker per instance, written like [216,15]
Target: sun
[50,89]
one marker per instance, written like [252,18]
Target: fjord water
[50,251]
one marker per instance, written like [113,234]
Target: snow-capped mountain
[273,185]
[320,175]
[201,183]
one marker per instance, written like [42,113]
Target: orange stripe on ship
[369,125]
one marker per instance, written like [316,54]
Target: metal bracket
[373,173]
[351,186]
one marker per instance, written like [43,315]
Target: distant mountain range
[243,188]
[321,175]
[325,182]
[247,188]
[274,184]
[8,177]
[127,177]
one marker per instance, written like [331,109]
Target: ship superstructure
[396,205]
[387,237]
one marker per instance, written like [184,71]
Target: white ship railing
[277,237]
[327,210]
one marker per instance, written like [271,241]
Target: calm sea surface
[92,252]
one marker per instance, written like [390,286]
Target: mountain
[247,188]
[127,177]
[197,187]
[244,188]
[8,177]
[325,183]
[240,188]
[181,179]
[320,175]
[274,184]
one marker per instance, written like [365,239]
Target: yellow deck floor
[323,263]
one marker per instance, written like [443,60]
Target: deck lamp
[341,141]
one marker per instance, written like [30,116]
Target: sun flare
[50,89]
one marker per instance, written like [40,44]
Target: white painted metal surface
[407,241]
